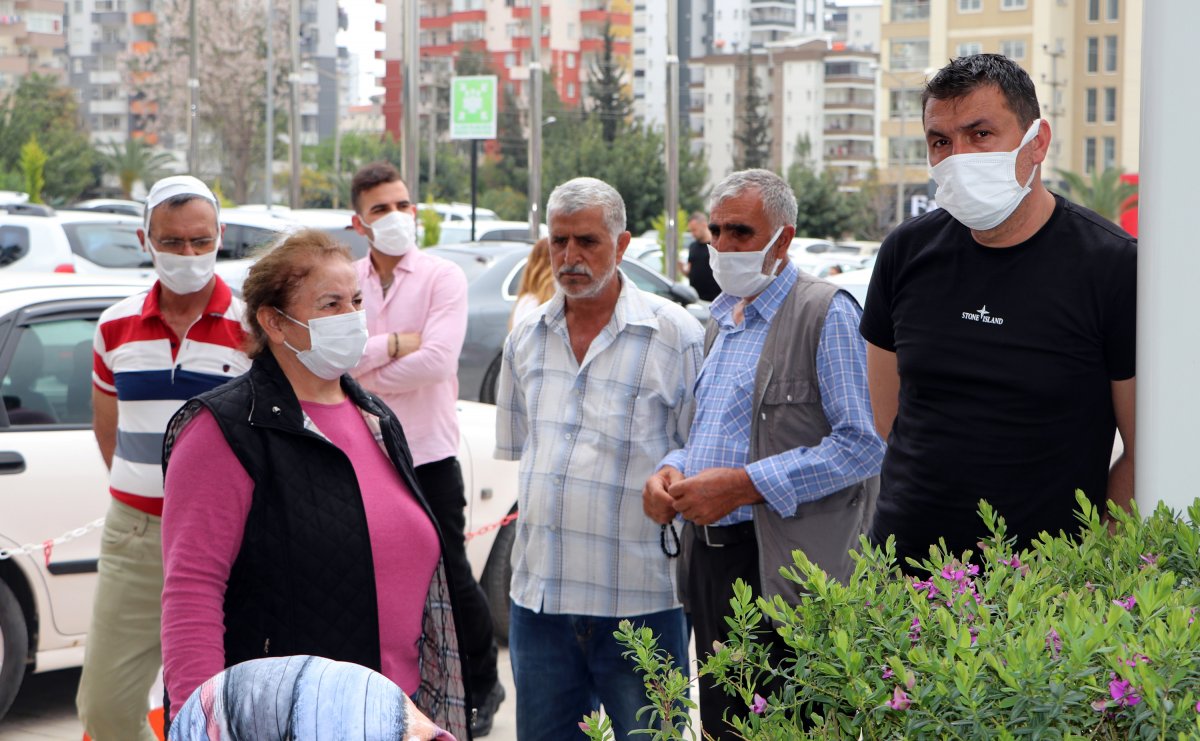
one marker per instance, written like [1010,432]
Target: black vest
[304,579]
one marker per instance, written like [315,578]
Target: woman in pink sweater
[292,522]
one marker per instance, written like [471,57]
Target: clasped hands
[701,499]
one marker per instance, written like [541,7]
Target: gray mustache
[575,270]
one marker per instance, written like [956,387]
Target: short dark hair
[965,75]
[371,176]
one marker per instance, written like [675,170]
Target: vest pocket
[791,415]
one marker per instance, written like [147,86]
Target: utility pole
[337,131]
[535,119]
[1053,111]
[672,139]
[269,175]
[412,82]
[294,126]
[193,91]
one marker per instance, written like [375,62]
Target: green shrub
[432,224]
[1094,637]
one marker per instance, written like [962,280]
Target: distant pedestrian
[699,272]
[595,387]
[537,283]
[153,351]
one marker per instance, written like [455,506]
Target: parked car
[494,272]
[451,212]
[35,238]
[55,482]
[855,282]
[456,232]
[111,206]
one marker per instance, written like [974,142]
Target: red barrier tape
[494,526]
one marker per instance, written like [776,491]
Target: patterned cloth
[720,434]
[301,697]
[588,435]
[139,360]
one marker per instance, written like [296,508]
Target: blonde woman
[537,283]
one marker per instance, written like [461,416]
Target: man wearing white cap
[153,351]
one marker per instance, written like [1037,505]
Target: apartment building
[31,40]
[572,39]
[816,91]
[1084,57]
[102,33]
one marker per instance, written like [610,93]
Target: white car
[855,282]
[54,482]
[36,238]
[457,232]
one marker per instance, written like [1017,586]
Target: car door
[52,476]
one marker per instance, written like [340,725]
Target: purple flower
[899,700]
[1014,562]
[915,630]
[1100,705]
[759,705]
[1137,659]
[974,634]
[1054,643]
[1198,706]
[1128,602]
[928,587]
[1148,559]
[1123,693]
[887,672]
[953,574]
[973,570]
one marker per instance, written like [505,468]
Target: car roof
[68,216]
[489,249]
[21,289]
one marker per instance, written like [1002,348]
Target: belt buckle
[708,542]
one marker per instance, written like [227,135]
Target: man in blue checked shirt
[782,452]
[595,388]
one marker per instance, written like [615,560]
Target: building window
[969,49]
[1114,7]
[1013,4]
[1013,49]
[1093,54]
[902,10]
[1089,155]
[904,102]
[570,60]
[907,151]
[1110,152]
[970,6]
[1090,105]
[1093,10]
[1110,53]
[571,91]
[910,54]
[1110,105]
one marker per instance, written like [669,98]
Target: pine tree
[606,88]
[754,131]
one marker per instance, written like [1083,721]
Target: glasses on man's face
[172,244]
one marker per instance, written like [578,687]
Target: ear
[1041,143]
[271,322]
[359,225]
[141,235]
[622,244]
[781,247]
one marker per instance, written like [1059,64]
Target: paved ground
[45,708]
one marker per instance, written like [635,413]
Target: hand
[407,343]
[656,502]
[713,493]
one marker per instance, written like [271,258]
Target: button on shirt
[428,296]
[720,433]
[588,436]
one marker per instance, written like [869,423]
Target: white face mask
[394,234]
[741,273]
[184,274]
[980,189]
[336,343]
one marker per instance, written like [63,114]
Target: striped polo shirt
[139,360]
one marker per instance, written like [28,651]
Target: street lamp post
[535,120]
[294,126]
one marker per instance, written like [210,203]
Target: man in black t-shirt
[1000,331]
[698,271]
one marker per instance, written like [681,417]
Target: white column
[1168,342]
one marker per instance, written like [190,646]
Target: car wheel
[497,578]
[491,379]
[14,647]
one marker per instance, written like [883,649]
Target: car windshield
[108,244]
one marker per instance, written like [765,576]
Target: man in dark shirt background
[1000,331]
[698,271]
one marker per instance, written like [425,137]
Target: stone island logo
[982,315]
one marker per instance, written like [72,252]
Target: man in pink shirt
[416,308]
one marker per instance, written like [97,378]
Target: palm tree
[134,160]
[1106,193]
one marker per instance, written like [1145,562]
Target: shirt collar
[405,264]
[632,307]
[218,302]
[767,302]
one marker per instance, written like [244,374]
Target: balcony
[109,18]
[144,18]
[117,107]
[14,64]
[849,105]
[108,48]
[836,132]
[910,10]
